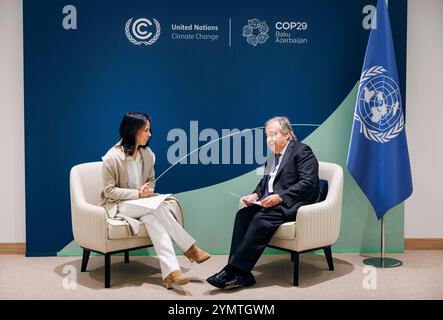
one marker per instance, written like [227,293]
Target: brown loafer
[175,277]
[196,254]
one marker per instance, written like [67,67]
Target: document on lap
[151,202]
[255,202]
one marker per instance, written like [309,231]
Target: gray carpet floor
[420,277]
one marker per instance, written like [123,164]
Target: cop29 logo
[142,31]
[258,38]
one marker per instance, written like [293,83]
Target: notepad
[151,202]
[256,202]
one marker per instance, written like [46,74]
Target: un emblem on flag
[379,108]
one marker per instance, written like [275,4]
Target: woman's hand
[145,191]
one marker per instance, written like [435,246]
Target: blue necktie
[277,160]
[267,177]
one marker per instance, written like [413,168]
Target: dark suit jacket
[297,180]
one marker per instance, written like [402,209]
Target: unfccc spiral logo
[142,31]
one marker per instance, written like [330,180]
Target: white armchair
[92,228]
[317,225]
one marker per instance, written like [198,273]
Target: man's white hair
[285,126]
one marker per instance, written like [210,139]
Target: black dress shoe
[240,281]
[219,279]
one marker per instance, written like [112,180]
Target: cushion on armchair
[323,190]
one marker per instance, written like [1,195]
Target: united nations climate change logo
[379,106]
[261,37]
[139,32]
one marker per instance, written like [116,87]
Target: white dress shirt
[134,169]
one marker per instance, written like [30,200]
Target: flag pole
[382,261]
[382,241]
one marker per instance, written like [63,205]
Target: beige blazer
[115,183]
[115,177]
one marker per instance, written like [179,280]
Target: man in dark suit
[290,181]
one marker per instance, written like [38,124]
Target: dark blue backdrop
[79,83]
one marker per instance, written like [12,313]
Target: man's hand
[145,191]
[271,201]
[250,199]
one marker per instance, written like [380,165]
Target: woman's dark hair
[131,123]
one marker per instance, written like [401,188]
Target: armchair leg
[107,270]
[85,259]
[328,254]
[126,256]
[295,256]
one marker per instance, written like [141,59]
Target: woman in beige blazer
[128,173]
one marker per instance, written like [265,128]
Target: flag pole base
[379,262]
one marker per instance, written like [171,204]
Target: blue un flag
[378,156]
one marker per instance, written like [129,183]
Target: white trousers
[162,229]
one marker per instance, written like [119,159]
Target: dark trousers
[253,229]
